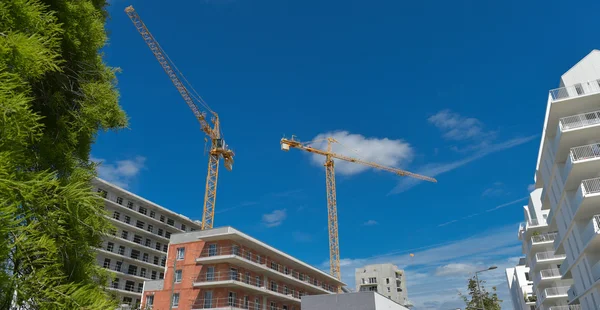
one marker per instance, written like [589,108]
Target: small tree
[476,297]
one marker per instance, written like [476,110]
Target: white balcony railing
[217,276]
[544,237]
[570,307]
[267,263]
[579,89]
[591,186]
[555,291]
[580,120]
[550,273]
[548,255]
[590,151]
[231,303]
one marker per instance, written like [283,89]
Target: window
[139,224]
[286,270]
[145,257]
[150,228]
[160,232]
[389,290]
[180,253]
[372,280]
[301,276]
[162,218]
[152,214]
[212,249]
[273,286]
[127,300]
[258,281]
[247,278]
[155,260]
[210,273]
[161,275]
[273,265]
[285,290]
[118,266]
[208,296]
[256,303]
[142,210]
[130,204]
[150,300]
[248,255]
[167,234]
[258,258]
[157,246]
[127,219]
[135,254]
[170,222]
[153,276]
[231,299]
[113,232]
[165,247]
[178,276]
[102,193]
[132,270]
[110,246]
[183,227]
[137,239]
[175,300]
[116,215]
[273,306]
[284,307]
[106,263]
[235,249]
[387,280]
[124,234]
[120,200]
[115,283]
[121,250]
[163,261]
[233,274]
[148,242]
[143,272]
[527,276]
[246,303]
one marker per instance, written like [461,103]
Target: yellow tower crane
[334,247]
[218,148]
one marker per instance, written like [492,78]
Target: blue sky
[452,89]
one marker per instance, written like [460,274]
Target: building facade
[385,279]
[223,268]
[562,237]
[350,301]
[136,250]
[520,286]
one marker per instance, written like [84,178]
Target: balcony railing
[544,237]
[550,273]
[239,277]
[570,307]
[548,255]
[262,260]
[229,303]
[590,151]
[576,90]
[591,186]
[555,291]
[580,120]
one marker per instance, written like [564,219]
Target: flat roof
[221,233]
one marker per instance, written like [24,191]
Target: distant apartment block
[520,286]
[350,301]
[385,279]
[561,236]
[223,268]
[137,250]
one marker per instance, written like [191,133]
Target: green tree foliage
[55,95]
[475,296]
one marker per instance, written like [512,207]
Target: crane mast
[332,218]
[218,148]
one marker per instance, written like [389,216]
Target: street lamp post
[479,288]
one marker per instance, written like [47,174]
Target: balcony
[554,292]
[590,232]
[125,289]
[237,280]
[542,239]
[569,307]
[252,261]
[573,131]
[585,200]
[577,90]
[549,274]
[544,258]
[583,163]
[231,303]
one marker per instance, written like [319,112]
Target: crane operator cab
[219,144]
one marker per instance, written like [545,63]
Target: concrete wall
[351,301]
[587,69]
[387,284]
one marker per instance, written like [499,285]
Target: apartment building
[350,301]
[223,268]
[385,279]
[137,250]
[520,286]
[562,232]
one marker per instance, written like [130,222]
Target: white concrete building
[350,301]
[561,236]
[385,279]
[137,250]
[520,286]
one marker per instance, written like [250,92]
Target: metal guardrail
[556,291]
[590,151]
[569,307]
[548,255]
[549,273]
[239,277]
[591,186]
[579,120]
[544,237]
[579,89]
[231,303]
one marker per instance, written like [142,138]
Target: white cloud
[122,172]
[454,269]
[496,189]
[436,169]
[370,223]
[458,127]
[438,272]
[274,218]
[387,152]
[301,236]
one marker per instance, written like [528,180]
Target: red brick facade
[252,287]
